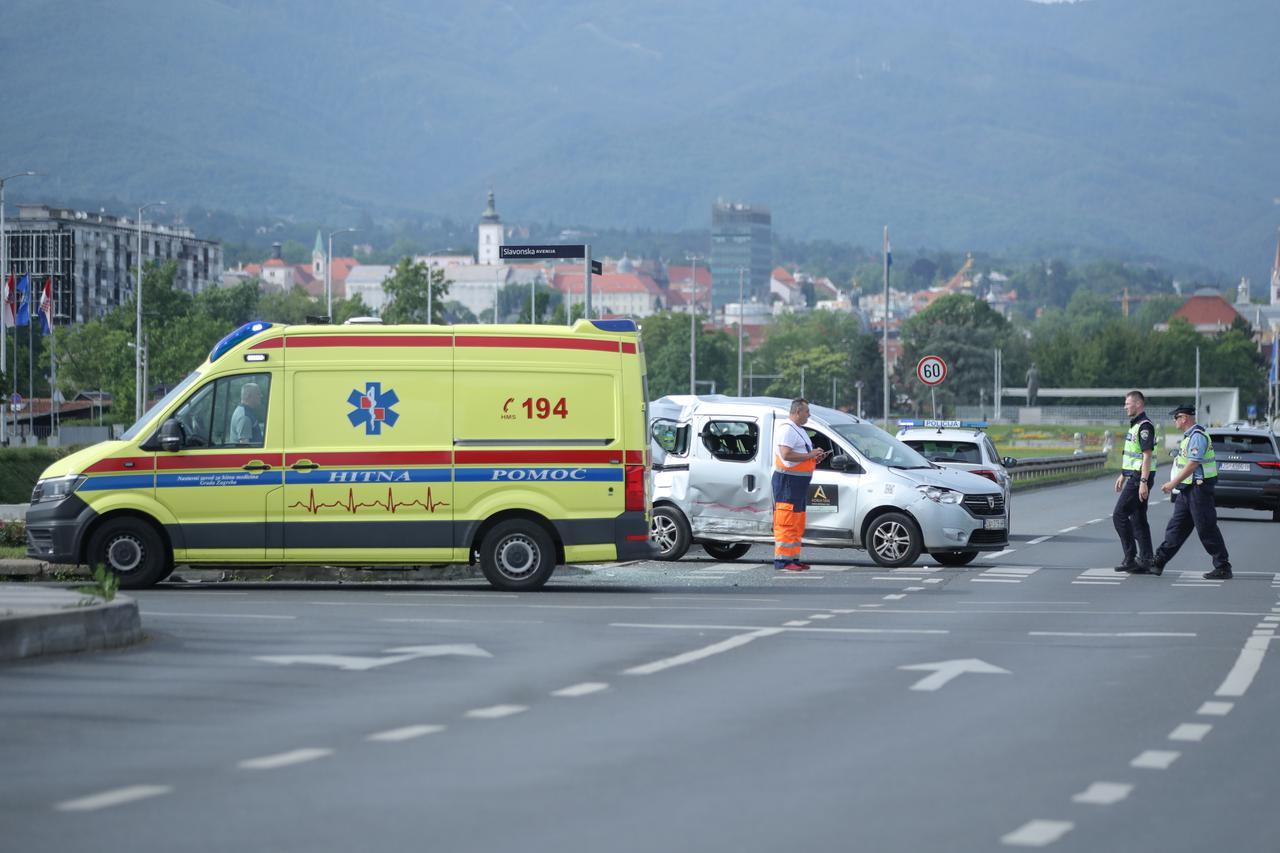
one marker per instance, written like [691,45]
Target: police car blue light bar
[943,424]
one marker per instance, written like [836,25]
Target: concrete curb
[19,568]
[38,620]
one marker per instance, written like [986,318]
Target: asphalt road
[691,706]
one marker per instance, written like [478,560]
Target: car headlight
[55,488]
[939,495]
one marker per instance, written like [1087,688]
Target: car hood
[948,478]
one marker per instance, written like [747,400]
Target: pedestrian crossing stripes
[1006,574]
[1105,576]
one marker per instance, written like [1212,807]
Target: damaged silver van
[713,461]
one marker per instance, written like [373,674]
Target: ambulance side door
[220,484]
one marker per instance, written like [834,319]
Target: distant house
[1207,312]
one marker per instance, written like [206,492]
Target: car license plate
[994,523]
[1234,466]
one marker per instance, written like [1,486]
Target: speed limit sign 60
[931,370]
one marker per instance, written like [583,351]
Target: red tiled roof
[1207,310]
[612,282]
[782,276]
[675,274]
[275,262]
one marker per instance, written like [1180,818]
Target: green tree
[963,331]
[666,347]
[411,289]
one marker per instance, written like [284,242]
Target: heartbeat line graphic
[352,506]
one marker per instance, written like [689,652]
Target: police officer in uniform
[1195,473]
[1137,476]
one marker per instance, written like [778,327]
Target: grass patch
[20,467]
[8,551]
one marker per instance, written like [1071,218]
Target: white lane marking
[914,589]
[1194,732]
[1155,759]
[843,611]
[992,580]
[822,616]
[1040,539]
[1103,793]
[771,631]
[1097,583]
[284,759]
[895,596]
[1037,833]
[426,619]
[947,670]
[1093,521]
[1271,618]
[1216,709]
[404,733]
[216,615]
[1195,613]
[1264,632]
[1016,570]
[356,663]
[586,688]
[495,712]
[1109,634]
[1069,529]
[1245,668]
[709,596]
[933,580]
[796,623]
[704,652]
[114,797]
[871,605]
[998,554]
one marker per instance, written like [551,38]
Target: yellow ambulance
[518,447]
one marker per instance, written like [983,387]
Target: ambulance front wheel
[517,555]
[669,531]
[132,549]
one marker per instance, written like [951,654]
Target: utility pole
[693,322]
[885,357]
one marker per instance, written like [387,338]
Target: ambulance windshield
[177,391]
[878,446]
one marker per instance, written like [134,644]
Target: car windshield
[878,446]
[177,391]
[938,450]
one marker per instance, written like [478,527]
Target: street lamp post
[693,322]
[858,385]
[140,393]
[328,273]
[741,271]
[4,284]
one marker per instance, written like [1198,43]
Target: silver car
[713,461]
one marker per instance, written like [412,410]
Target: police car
[959,444]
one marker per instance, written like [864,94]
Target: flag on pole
[46,307]
[22,315]
[8,308]
[888,250]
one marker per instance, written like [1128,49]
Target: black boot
[1126,565]
[1219,574]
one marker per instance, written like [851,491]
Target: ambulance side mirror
[171,436]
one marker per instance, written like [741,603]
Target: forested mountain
[1144,126]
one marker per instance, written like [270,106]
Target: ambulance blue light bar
[615,325]
[248,330]
[944,424]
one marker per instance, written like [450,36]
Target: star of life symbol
[373,408]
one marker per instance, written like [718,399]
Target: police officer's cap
[1184,409]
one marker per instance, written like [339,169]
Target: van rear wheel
[893,540]
[517,555]
[726,551]
[670,532]
[132,549]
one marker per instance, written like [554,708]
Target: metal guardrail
[1039,466]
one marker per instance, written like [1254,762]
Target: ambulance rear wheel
[517,555]
[893,540]
[726,551]
[670,532]
[132,549]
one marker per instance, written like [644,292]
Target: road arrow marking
[353,663]
[944,671]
